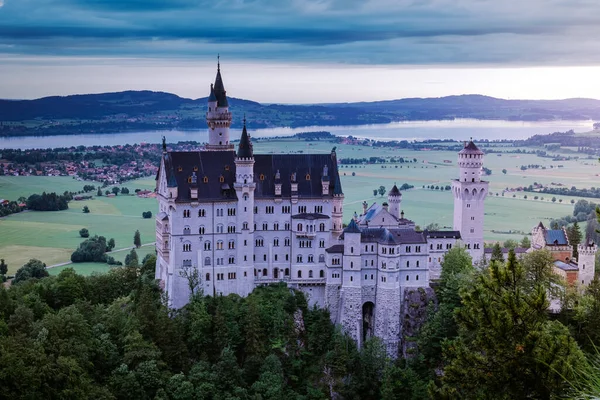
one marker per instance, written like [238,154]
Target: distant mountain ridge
[148,110]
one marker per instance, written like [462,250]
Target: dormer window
[179,169]
[227,168]
[262,177]
[195,169]
[205,179]
[308,177]
[189,179]
[221,179]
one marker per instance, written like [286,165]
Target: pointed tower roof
[470,148]
[395,191]
[352,227]
[212,96]
[219,88]
[245,146]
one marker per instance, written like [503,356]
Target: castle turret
[395,201]
[338,201]
[469,194]
[586,262]
[244,186]
[218,117]
[351,292]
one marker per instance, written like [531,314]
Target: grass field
[52,236]
[425,206]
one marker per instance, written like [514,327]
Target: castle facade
[232,220]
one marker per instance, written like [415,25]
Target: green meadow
[52,236]
[424,206]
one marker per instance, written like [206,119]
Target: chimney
[365,206]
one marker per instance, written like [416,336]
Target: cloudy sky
[303,51]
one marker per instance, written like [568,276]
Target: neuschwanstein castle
[242,219]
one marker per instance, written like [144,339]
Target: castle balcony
[304,234]
[290,281]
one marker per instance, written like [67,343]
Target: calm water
[457,129]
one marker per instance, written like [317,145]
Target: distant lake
[460,129]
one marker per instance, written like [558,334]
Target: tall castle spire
[218,117]
[245,146]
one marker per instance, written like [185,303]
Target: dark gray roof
[303,165]
[470,148]
[352,227]
[395,191]
[310,216]
[212,96]
[245,146]
[443,234]
[391,236]
[336,248]
[179,167]
[219,90]
[213,165]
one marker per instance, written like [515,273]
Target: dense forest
[111,336]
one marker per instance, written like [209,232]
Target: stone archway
[368,321]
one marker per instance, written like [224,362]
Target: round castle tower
[244,186]
[218,117]
[586,262]
[469,194]
[394,201]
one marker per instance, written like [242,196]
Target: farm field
[52,236]
[424,206]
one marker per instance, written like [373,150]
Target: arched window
[207,277]
[287,272]
[207,262]
[321,257]
[299,227]
[322,227]
[265,273]
[310,274]
[417,264]
[299,274]
[321,274]
[407,264]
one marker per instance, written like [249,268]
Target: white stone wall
[586,263]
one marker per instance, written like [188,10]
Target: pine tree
[497,253]
[574,235]
[137,240]
[507,346]
[3,267]
[525,242]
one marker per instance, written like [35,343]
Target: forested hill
[146,110]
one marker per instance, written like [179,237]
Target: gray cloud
[349,31]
